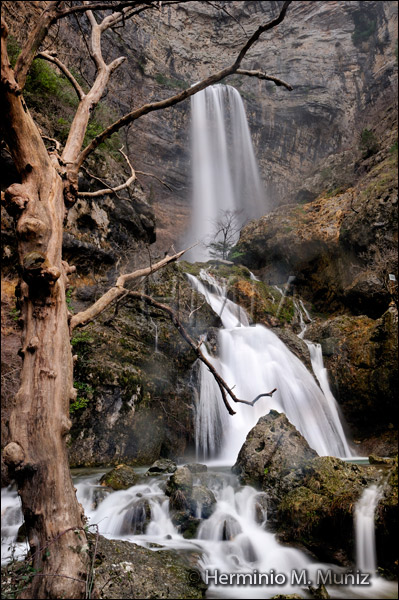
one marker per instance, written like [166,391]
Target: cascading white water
[366,558]
[225,171]
[234,540]
[11,521]
[254,360]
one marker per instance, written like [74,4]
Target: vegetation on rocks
[311,499]
[121,477]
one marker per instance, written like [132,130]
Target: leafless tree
[225,233]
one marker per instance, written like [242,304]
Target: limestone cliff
[339,57]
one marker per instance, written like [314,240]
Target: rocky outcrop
[271,455]
[310,498]
[133,376]
[361,358]
[124,570]
[340,247]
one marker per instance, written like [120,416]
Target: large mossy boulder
[319,512]
[310,498]
[272,456]
[120,478]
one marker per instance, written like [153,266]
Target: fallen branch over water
[225,390]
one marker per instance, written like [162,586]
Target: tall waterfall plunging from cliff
[253,360]
[224,168]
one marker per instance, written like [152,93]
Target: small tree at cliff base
[226,230]
[36,453]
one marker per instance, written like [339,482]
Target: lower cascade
[240,558]
[253,360]
[366,557]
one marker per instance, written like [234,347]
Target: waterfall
[366,558]
[253,360]
[224,167]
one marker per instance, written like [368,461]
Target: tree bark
[36,453]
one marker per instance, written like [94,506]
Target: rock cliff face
[338,56]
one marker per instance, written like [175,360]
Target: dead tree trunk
[39,419]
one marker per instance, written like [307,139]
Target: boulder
[181,480]
[201,502]
[189,502]
[310,498]
[319,512]
[163,465]
[272,455]
[121,477]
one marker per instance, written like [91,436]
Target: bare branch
[118,290]
[223,387]
[261,75]
[35,38]
[171,101]
[254,38]
[118,188]
[56,143]
[155,177]
[222,8]
[53,13]
[51,57]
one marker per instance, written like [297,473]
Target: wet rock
[121,477]
[187,524]
[361,358]
[137,517]
[261,503]
[182,480]
[231,528]
[163,465]
[318,511]
[272,455]
[189,502]
[380,460]
[201,502]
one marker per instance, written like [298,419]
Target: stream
[233,541]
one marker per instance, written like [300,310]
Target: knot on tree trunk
[13,454]
[38,272]
[16,199]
